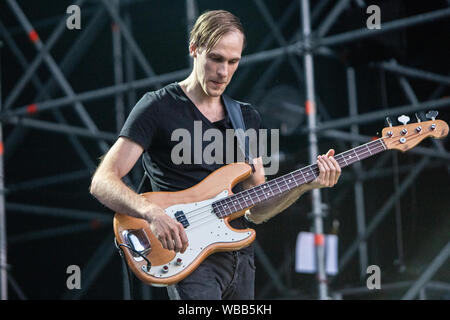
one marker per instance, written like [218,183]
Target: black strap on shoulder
[234,111]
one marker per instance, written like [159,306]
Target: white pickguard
[204,229]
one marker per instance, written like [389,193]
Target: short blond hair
[211,26]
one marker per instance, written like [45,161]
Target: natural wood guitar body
[223,179]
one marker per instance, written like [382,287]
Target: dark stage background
[55,223]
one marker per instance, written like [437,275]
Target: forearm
[112,192]
[270,208]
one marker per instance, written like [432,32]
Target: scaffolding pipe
[380,115]
[358,187]
[3,246]
[128,37]
[118,70]
[310,105]
[386,27]
[67,65]
[382,213]
[42,53]
[59,212]
[394,67]
[61,128]
[426,276]
[84,116]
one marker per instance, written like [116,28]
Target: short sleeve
[141,123]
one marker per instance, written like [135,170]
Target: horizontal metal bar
[100,93]
[381,114]
[59,128]
[58,212]
[413,72]
[54,232]
[41,182]
[385,27]
[297,47]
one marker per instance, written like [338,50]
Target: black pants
[222,276]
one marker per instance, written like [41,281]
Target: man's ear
[193,50]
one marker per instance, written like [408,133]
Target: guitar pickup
[181,218]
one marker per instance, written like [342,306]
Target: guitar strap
[235,113]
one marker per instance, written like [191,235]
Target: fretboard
[283,184]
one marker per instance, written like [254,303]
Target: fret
[257,195]
[356,154]
[270,193]
[307,173]
[286,183]
[303,175]
[312,172]
[343,158]
[236,201]
[275,180]
[263,190]
[367,146]
[294,179]
[248,198]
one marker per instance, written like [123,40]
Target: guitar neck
[283,184]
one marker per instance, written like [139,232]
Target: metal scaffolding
[298,51]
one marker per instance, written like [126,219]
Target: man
[216,44]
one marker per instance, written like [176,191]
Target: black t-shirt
[151,124]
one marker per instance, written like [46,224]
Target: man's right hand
[169,232]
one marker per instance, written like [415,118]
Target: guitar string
[260,192]
[214,217]
[206,208]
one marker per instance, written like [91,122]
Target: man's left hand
[329,171]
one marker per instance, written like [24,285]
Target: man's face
[214,69]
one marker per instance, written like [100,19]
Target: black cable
[119,246]
[130,275]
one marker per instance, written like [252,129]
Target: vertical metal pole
[120,114]
[118,70]
[3,260]
[192,14]
[358,187]
[313,150]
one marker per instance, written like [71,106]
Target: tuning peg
[417,117]
[432,114]
[403,119]
[389,122]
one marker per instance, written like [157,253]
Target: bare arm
[328,177]
[107,186]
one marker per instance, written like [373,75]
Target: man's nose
[222,70]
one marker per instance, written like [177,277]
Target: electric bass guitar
[206,209]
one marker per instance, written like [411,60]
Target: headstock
[407,136]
